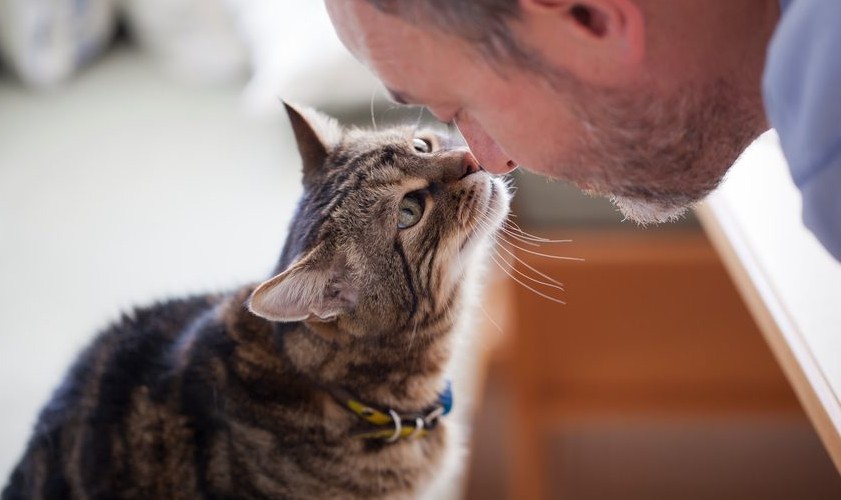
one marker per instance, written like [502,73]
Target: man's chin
[645,212]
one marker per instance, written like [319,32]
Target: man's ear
[315,287]
[316,134]
[596,32]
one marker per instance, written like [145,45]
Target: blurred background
[144,155]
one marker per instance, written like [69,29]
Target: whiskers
[511,240]
[373,117]
[481,306]
[400,108]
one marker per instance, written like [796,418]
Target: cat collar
[391,425]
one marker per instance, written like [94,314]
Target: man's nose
[487,151]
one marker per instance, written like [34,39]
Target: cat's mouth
[486,209]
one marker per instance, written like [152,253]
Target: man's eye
[422,145]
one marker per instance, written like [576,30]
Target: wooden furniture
[652,328]
[791,284]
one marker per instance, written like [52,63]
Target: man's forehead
[374,37]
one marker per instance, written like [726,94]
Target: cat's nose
[457,164]
[469,165]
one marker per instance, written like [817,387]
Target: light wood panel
[790,282]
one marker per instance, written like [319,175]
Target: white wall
[122,187]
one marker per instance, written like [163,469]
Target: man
[645,101]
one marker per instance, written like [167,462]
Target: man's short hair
[482,23]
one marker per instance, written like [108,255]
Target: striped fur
[205,397]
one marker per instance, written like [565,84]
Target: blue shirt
[802,92]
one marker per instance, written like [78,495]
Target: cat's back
[87,418]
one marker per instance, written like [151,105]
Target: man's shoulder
[801,88]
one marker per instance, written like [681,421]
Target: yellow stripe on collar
[367,413]
[405,432]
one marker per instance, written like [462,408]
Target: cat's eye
[422,145]
[411,210]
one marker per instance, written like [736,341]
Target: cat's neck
[389,371]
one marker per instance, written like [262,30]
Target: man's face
[653,152]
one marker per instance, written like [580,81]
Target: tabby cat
[326,381]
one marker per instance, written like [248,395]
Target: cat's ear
[316,135]
[314,288]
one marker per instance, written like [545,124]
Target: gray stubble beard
[655,158]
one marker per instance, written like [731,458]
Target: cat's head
[387,226]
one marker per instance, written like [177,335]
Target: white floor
[121,188]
